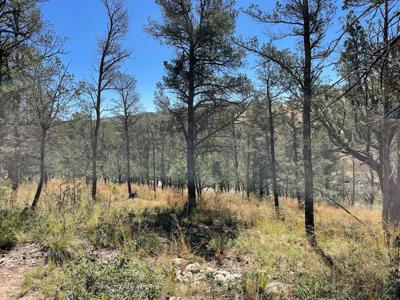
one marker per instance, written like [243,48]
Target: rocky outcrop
[194,272]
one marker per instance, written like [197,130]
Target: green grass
[148,234]
[82,278]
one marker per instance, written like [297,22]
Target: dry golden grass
[275,246]
[329,219]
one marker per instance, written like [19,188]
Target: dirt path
[14,265]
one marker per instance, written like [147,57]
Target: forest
[269,168]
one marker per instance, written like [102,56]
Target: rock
[179,261]
[193,268]
[223,272]
[105,255]
[278,291]
[210,271]
[235,276]
[187,277]
[194,273]
[223,276]
[220,278]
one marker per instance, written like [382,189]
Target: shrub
[253,284]
[112,230]
[8,228]
[117,280]
[61,247]
[5,191]
[7,239]
[206,231]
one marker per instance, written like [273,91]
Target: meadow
[230,248]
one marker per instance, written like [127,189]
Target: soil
[14,264]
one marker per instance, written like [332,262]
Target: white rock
[193,268]
[187,277]
[278,291]
[179,261]
[223,276]
[210,271]
[220,278]
[236,276]
[223,272]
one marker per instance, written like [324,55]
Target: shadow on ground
[206,232]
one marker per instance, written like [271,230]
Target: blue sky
[82,21]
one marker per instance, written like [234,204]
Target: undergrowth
[264,248]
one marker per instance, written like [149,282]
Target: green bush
[9,226]
[8,237]
[112,230]
[253,284]
[206,231]
[5,191]
[118,280]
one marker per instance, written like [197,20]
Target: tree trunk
[343,184]
[390,205]
[307,150]
[154,163]
[94,154]
[261,180]
[390,190]
[191,162]
[128,163]
[296,161]
[248,167]
[190,138]
[235,158]
[272,149]
[398,159]
[16,171]
[353,182]
[42,170]
[162,163]
[147,161]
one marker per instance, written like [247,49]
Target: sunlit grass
[70,225]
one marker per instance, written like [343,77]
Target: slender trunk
[248,168]
[148,159]
[191,163]
[128,164]
[272,149]
[371,199]
[94,153]
[154,162]
[353,182]
[190,140]
[307,154]
[2,65]
[16,178]
[398,159]
[162,163]
[261,180]
[343,184]
[296,161]
[42,170]
[120,179]
[253,172]
[199,188]
[235,158]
